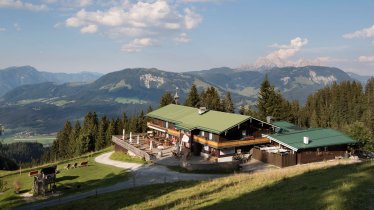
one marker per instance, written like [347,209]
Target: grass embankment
[121,156]
[180,169]
[316,186]
[68,180]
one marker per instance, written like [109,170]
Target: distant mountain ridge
[45,106]
[13,77]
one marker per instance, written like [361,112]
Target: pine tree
[166,99]
[264,97]
[228,106]
[242,110]
[211,99]
[74,140]
[63,140]
[101,139]
[193,98]
[109,133]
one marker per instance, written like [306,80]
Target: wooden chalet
[292,145]
[213,134]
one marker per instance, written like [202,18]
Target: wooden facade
[238,139]
[321,154]
[277,159]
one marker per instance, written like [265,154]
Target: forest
[347,106]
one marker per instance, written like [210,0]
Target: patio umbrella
[123,134]
[137,140]
[130,137]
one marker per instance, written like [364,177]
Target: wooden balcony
[230,143]
[174,132]
[156,127]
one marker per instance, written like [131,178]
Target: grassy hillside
[313,186]
[68,181]
[43,139]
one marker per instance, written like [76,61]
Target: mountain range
[43,107]
[13,77]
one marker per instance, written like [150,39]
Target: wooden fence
[119,143]
[280,160]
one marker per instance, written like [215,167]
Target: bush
[3,185]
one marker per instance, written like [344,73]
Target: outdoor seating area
[76,165]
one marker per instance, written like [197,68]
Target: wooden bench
[84,164]
[33,173]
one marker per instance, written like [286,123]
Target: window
[244,133]
[210,136]
[202,133]
[167,125]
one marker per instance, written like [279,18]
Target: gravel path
[142,175]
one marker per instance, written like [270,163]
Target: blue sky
[184,35]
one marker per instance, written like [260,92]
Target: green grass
[208,171]
[43,139]
[316,186]
[121,156]
[69,181]
[121,100]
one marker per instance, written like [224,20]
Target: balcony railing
[230,143]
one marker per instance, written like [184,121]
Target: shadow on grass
[127,198]
[81,186]
[339,187]
[65,178]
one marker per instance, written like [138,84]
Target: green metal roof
[188,118]
[318,137]
[287,126]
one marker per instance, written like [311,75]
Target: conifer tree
[110,132]
[63,140]
[211,99]
[74,140]
[264,98]
[228,106]
[101,139]
[193,98]
[166,99]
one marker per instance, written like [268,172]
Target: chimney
[202,110]
[269,119]
[306,140]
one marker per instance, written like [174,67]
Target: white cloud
[191,19]
[2,29]
[366,59]
[137,45]
[90,29]
[18,4]
[363,33]
[280,56]
[182,38]
[158,19]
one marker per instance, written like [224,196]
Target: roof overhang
[280,142]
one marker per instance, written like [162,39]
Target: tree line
[93,135]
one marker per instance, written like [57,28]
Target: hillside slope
[311,186]
[13,77]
